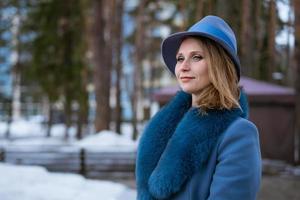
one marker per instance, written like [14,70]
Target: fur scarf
[176,143]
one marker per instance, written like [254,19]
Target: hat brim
[172,43]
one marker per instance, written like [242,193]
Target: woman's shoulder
[242,125]
[241,130]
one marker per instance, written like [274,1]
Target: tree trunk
[139,47]
[211,7]
[50,120]
[16,68]
[258,38]
[183,11]
[245,38]
[79,124]
[199,10]
[289,72]
[68,118]
[15,106]
[16,93]
[297,65]
[101,69]
[118,66]
[82,99]
[9,119]
[271,39]
[82,116]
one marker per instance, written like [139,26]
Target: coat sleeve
[238,169]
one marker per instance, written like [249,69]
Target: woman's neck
[194,100]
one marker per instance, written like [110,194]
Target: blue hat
[211,27]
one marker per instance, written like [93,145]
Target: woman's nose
[185,65]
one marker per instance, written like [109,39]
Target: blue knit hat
[211,27]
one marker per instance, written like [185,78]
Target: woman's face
[191,69]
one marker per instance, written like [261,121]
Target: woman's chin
[191,91]
[187,90]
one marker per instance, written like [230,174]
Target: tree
[138,58]
[245,37]
[199,10]
[6,102]
[102,70]
[258,37]
[57,48]
[12,15]
[297,65]
[118,38]
[4,26]
[271,67]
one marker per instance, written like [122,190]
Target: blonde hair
[223,91]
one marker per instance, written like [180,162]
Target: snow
[32,132]
[35,183]
[108,140]
[21,128]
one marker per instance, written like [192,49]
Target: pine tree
[57,53]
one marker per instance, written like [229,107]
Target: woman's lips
[186,78]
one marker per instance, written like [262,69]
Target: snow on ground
[31,128]
[32,132]
[109,141]
[35,183]
[21,128]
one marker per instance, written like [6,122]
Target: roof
[257,91]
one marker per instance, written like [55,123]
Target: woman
[201,145]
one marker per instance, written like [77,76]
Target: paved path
[280,188]
[272,188]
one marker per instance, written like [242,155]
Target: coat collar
[176,143]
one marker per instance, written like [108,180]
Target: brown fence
[90,163]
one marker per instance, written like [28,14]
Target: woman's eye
[180,59]
[197,58]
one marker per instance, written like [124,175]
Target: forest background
[94,61]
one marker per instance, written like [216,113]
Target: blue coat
[233,171]
[184,154]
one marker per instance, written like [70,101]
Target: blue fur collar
[176,143]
